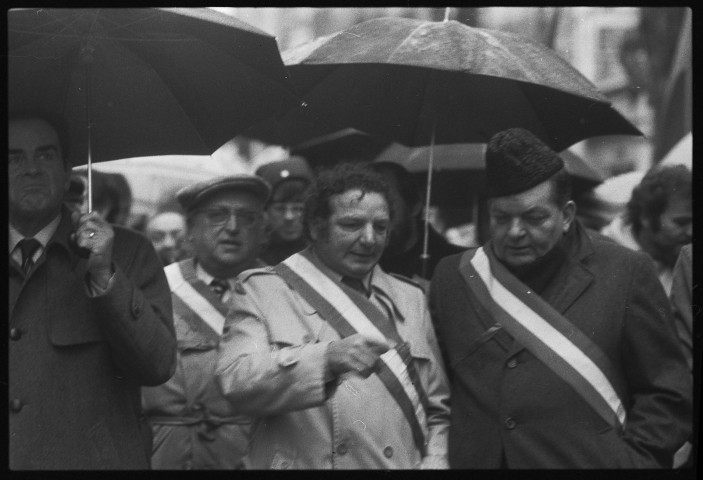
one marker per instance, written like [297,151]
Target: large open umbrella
[410,81]
[425,83]
[144,81]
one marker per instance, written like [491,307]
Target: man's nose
[169,241]
[368,235]
[30,164]
[516,228]
[231,223]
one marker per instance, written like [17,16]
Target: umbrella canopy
[144,81]
[406,80]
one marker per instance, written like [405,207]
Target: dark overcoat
[76,363]
[510,410]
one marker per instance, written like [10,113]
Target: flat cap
[286,169]
[189,197]
[516,160]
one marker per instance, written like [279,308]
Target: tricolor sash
[194,295]
[545,332]
[349,312]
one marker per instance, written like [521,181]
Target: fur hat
[516,160]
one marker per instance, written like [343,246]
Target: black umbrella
[144,81]
[408,80]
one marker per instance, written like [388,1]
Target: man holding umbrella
[90,318]
[560,346]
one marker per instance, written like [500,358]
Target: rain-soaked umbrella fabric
[157,81]
[405,79]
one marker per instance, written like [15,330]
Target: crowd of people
[291,319]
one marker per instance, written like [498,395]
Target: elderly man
[89,321]
[167,230]
[194,426]
[289,179]
[659,218]
[336,358]
[561,348]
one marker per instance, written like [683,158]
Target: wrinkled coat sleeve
[437,388]
[659,417]
[136,315]
[262,373]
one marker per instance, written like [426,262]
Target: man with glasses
[194,426]
[289,179]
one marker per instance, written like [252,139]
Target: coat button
[510,423]
[16,405]
[15,333]
[307,338]
[342,448]
[388,452]
[136,309]
[512,363]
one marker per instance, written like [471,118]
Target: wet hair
[290,190]
[57,122]
[408,187]
[651,197]
[336,181]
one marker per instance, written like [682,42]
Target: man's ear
[569,212]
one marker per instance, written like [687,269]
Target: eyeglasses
[281,208]
[218,217]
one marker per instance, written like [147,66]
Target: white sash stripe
[392,359]
[193,299]
[557,342]
[356,318]
[335,295]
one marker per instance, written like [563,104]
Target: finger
[377,345]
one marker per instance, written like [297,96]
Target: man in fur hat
[559,344]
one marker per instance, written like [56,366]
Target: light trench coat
[194,427]
[272,365]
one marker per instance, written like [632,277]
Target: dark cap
[516,160]
[192,195]
[292,167]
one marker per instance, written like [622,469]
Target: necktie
[219,286]
[356,284]
[28,246]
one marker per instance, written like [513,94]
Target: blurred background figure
[658,219]
[404,252]
[289,180]
[167,231]
[112,197]
[75,196]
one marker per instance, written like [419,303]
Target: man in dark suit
[559,343]
[89,318]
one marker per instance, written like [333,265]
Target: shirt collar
[43,236]
[201,274]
